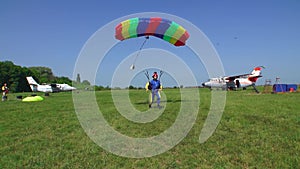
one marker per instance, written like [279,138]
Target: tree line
[15,76]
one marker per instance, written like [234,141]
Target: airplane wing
[232,78]
[256,73]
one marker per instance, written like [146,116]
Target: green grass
[256,131]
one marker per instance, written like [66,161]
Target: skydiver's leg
[158,97]
[151,98]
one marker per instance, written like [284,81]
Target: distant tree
[131,87]
[98,88]
[62,79]
[43,74]
[5,68]
[85,82]
[23,84]
[14,76]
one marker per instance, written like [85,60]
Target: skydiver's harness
[149,81]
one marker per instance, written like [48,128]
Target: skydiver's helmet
[155,75]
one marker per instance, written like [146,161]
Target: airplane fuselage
[222,83]
[42,88]
[48,88]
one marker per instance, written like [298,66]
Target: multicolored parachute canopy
[162,28]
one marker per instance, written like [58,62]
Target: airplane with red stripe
[234,82]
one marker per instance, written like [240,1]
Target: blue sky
[244,33]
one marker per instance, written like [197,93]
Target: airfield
[255,131]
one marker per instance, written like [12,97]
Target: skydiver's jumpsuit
[154,85]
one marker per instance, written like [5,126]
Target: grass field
[256,131]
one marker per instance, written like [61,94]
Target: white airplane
[48,88]
[234,82]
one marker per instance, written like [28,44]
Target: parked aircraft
[48,88]
[237,81]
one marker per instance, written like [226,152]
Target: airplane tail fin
[32,83]
[255,74]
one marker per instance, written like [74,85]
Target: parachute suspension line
[146,38]
[147,75]
[160,74]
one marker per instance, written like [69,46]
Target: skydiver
[4,92]
[155,86]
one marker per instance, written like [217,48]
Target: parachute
[158,27]
[33,99]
